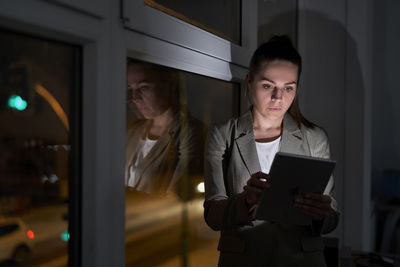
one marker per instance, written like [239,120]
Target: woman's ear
[248,78]
[247,92]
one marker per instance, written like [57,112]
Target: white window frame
[138,16]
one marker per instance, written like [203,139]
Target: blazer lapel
[292,137]
[245,142]
[157,152]
[136,133]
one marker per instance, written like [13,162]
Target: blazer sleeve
[222,209]
[319,146]
[190,143]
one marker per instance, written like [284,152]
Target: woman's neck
[266,129]
[160,123]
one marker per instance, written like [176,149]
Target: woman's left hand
[315,205]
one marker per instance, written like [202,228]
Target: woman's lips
[274,108]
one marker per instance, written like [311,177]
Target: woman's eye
[143,88]
[129,92]
[288,89]
[267,86]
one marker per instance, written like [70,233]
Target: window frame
[152,50]
[97,202]
[135,16]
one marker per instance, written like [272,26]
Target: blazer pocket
[310,243]
[229,243]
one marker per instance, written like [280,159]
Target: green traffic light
[65,236]
[16,102]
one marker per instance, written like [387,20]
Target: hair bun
[278,47]
[281,40]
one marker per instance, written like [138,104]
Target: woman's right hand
[256,185]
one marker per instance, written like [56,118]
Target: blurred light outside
[30,234]
[200,187]
[65,236]
[16,102]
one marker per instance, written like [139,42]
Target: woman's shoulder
[318,141]
[233,125]
[243,122]
[315,133]
[226,125]
[223,132]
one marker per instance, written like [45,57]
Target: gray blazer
[174,155]
[230,159]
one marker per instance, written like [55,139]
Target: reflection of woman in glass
[161,146]
[238,158]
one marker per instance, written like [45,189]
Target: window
[39,81]
[169,113]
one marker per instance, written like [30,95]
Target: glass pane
[169,112]
[220,17]
[38,79]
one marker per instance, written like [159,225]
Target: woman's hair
[280,48]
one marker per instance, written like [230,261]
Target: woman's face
[147,91]
[273,88]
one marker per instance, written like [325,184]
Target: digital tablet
[291,176]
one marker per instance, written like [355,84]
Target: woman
[237,161]
[161,147]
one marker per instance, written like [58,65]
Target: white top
[145,146]
[266,153]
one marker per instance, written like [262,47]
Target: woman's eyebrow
[289,83]
[141,82]
[271,81]
[266,79]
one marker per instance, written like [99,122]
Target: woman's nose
[277,94]
[134,95]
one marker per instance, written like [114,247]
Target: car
[15,240]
